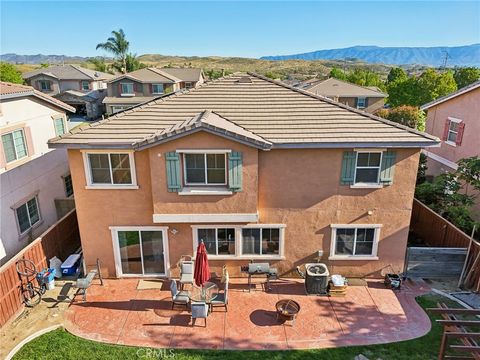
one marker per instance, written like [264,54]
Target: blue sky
[231,28]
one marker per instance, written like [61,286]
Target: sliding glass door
[141,252]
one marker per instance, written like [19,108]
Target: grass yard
[60,345]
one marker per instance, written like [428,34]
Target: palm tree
[118,46]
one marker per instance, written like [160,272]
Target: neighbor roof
[127,100]
[459,92]
[279,114]
[12,91]
[149,75]
[69,72]
[185,74]
[337,88]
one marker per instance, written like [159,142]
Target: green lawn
[59,344]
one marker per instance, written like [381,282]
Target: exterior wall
[55,86]
[288,187]
[39,174]
[140,89]
[374,104]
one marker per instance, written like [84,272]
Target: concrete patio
[118,313]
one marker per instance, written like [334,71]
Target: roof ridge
[346,107]
[78,68]
[164,73]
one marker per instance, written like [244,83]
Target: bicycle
[31,294]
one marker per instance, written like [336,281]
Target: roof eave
[347,145]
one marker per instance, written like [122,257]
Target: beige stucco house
[256,169]
[455,119]
[146,84]
[366,98]
[82,88]
[35,183]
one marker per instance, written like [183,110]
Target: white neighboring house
[34,180]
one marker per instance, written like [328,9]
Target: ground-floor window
[141,251]
[354,241]
[28,214]
[237,241]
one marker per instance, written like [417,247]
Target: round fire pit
[287,309]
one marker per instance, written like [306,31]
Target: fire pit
[287,309]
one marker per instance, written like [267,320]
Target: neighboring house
[35,180]
[84,89]
[256,169]
[368,99]
[147,84]
[454,118]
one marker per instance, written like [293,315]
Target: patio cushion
[187,267]
[186,278]
[199,310]
[219,299]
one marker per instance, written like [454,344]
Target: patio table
[207,293]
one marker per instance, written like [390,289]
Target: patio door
[141,251]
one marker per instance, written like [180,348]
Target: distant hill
[468,55]
[41,59]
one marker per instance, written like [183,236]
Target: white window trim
[376,239]
[158,93]
[88,173]
[206,170]
[116,249]
[456,121]
[127,94]
[24,202]
[364,98]
[238,241]
[189,191]
[14,146]
[376,185]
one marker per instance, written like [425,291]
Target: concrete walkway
[118,313]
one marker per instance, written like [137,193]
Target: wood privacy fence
[61,239]
[431,263]
[437,232]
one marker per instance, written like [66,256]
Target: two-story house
[257,170]
[82,88]
[32,176]
[366,98]
[146,84]
[455,118]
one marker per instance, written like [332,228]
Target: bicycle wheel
[26,267]
[31,296]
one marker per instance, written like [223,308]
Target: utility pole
[445,58]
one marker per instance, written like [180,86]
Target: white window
[28,215]
[67,181]
[157,88]
[45,85]
[85,85]
[361,102]
[453,131]
[59,125]
[205,169]
[368,167]
[241,241]
[188,85]
[354,241]
[110,169]
[127,88]
[14,145]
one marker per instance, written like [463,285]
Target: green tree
[402,92]
[466,75]
[117,45]
[9,73]
[98,63]
[338,74]
[396,74]
[407,115]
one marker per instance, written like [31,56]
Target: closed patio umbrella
[202,271]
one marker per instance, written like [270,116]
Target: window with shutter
[174,179]
[235,165]
[454,131]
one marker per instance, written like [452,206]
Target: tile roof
[282,115]
[459,92]
[69,72]
[149,75]
[11,91]
[185,74]
[127,99]
[333,87]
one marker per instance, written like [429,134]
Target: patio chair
[186,266]
[221,300]
[178,297]
[199,310]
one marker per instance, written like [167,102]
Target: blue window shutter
[349,164]
[174,177]
[388,167]
[235,166]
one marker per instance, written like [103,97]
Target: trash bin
[56,263]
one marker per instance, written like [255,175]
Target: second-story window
[110,168]
[205,169]
[85,86]
[361,103]
[28,215]
[126,88]
[368,167]
[45,85]
[14,145]
[157,88]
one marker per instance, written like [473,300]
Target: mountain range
[468,55]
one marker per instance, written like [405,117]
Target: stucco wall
[299,188]
[373,104]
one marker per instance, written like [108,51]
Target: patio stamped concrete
[118,313]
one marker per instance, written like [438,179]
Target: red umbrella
[202,271]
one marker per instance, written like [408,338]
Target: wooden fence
[61,239]
[435,231]
[431,263]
